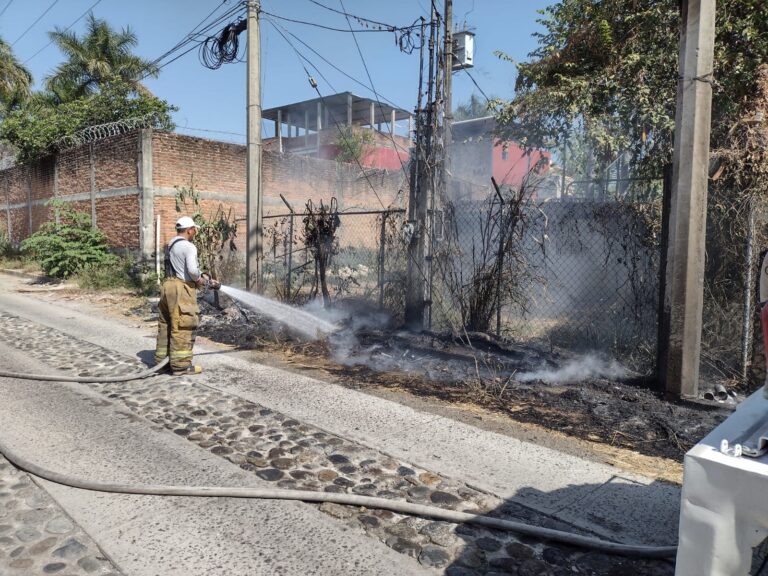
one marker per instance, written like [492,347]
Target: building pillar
[373,116]
[146,195]
[92,162]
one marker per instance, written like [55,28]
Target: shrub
[122,272]
[115,274]
[6,248]
[63,249]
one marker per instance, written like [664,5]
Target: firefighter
[178,313]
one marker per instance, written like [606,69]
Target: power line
[192,38]
[368,73]
[476,85]
[314,85]
[339,70]
[348,15]
[197,31]
[186,39]
[35,22]
[388,28]
[65,29]
[6,7]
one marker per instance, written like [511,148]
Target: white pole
[157,247]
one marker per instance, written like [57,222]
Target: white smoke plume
[577,370]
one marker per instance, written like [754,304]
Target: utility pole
[254,238]
[422,183]
[447,96]
[684,294]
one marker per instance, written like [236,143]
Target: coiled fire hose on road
[309,496]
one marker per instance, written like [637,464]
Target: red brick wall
[115,162]
[118,218]
[74,171]
[217,167]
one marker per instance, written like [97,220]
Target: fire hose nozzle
[210,283]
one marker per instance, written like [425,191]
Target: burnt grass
[626,414]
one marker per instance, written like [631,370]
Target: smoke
[300,322]
[367,339]
[576,370]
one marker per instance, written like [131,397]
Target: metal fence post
[500,256]
[290,257]
[382,240]
[289,250]
[749,295]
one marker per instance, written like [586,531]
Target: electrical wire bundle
[223,48]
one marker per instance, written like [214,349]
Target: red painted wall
[512,170]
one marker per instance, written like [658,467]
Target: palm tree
[15,80]
[100,56]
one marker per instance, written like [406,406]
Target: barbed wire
[101,131]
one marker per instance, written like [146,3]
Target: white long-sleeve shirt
[183,256]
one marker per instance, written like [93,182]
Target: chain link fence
[367,263]
[581,275]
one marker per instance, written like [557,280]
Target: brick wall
[25,190]
[219,173]
[218,169]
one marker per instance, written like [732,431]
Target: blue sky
[215,99]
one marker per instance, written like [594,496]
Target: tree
[39,126]
[472,108]
[609,69]
[15,79]
[101,56]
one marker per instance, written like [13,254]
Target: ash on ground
[590,397]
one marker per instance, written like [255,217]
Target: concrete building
[319,128]
[478,154]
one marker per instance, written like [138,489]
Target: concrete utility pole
[447,95]
[422,182]
[253,241]
[683,300]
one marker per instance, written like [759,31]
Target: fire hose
[563,537]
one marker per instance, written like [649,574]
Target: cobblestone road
[37,537]
[293,454]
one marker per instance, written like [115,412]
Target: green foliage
[609,70]
[6,248]
[352,143]
[215,239]
[120,272]
[37,127]
[65,248]
[15,79]
[102,56]
[105,276]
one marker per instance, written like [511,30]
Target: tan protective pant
[177,319]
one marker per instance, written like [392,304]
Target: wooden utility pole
[684,294]
[254,238]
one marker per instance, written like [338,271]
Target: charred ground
[479,371]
